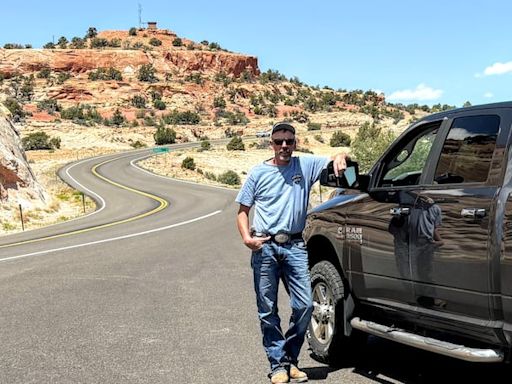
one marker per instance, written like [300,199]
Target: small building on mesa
[152,25]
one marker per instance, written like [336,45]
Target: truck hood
[338,201]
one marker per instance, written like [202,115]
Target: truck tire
[325,333]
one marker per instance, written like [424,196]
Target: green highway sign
[160,150]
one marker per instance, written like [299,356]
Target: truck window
[467,152]
[407,161]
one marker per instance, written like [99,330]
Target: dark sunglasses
[280,141]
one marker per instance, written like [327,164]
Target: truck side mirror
[348,179]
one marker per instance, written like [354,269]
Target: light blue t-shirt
[280,194]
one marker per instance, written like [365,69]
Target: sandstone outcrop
[188,61]
[17,182]
[14,61]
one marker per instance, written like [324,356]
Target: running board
[432,345]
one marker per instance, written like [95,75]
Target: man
[279,190]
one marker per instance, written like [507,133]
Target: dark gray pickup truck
[419,250]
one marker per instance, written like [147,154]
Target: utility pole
[140,16]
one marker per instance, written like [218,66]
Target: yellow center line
[162,206]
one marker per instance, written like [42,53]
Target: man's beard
[285,155]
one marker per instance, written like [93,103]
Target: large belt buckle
[281,237]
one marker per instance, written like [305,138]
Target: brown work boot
[296,375]
[279,377]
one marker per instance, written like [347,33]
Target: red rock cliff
[82,60]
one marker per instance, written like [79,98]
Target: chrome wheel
[323,317]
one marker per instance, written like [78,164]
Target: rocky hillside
[112,90]
[17,182]
[149,73]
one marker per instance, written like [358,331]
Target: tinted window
[467,152]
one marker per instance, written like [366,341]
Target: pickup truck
[263,134]
[419,250]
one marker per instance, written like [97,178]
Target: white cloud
[461,133]
[498,69]
[488,95]
[421,92]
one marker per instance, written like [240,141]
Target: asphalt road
[156,287]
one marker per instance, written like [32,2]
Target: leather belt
[280,237]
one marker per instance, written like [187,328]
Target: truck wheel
[326,329]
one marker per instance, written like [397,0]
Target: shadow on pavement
[318,373]
[385,362]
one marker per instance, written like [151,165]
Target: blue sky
[425,52]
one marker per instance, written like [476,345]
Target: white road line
[102,201]
[111,239]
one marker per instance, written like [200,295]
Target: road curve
[126,206]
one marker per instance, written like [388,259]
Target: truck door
[381,269]
[450,224]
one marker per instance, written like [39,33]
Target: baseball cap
[283,126]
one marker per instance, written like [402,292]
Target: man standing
[279,190]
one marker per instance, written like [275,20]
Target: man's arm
[242,222]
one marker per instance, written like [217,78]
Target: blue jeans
[290,262]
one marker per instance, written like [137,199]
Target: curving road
[153,287]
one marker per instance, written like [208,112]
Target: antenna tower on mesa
[150,24]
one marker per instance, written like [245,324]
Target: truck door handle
[399,211]
[473,213]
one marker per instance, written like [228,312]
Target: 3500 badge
[350,234]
